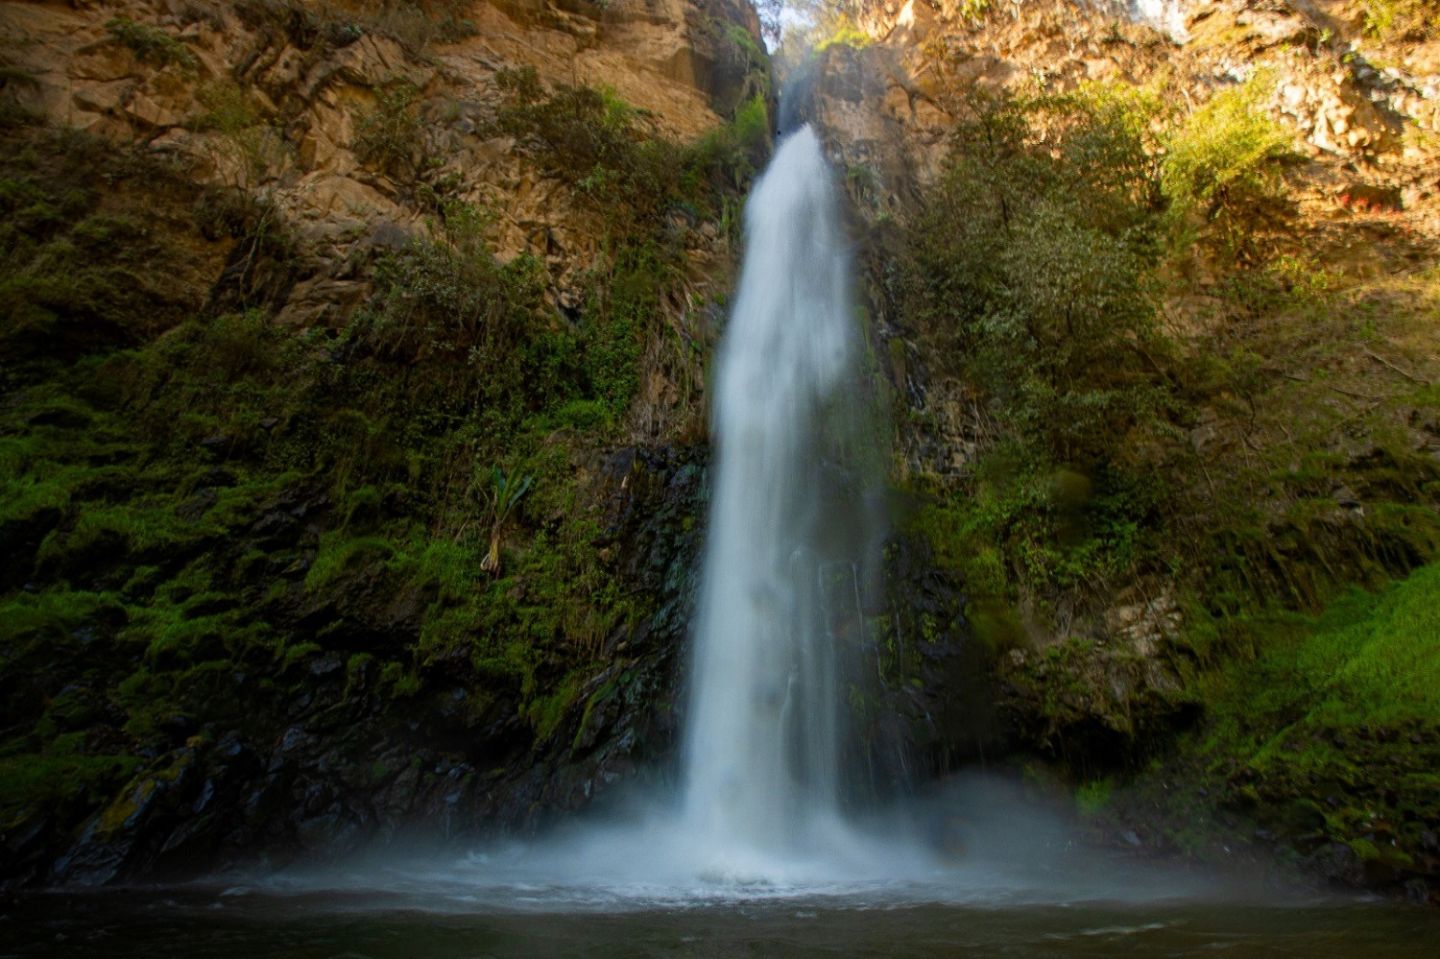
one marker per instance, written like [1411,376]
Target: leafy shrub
[1032,266]
[741,39]
[974,9]
[391,136]
[1222,166]
[1063,340]
[452,297]
[595,141]
[151,44]
[1033,263]
[843,32]
[618,316]
[1112,147]
[1402,19]
[728,156]
[228,108]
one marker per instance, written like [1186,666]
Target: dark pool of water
[198,924]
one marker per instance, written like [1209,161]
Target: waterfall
[773,804]
[793,532]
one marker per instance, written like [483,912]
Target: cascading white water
[790,535]
[1167,16]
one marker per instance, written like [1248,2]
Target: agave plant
[500,500]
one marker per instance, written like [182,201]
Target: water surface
[196,923]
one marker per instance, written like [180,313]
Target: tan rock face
[1330,86]
[680,62]
[888,108]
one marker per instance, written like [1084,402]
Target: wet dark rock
[326,665]
[178,727]
[929,681]
[322,758]
[1337,861]
[198,505]
[61,418]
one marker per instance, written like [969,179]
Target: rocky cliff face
[973,137]
[274,98]
[1349,96]
[296,297]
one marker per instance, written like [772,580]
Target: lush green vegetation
[151,43]
[1041,276]
[415,24]
[842,32]
[195,497]
[1370,659]
[1033,268]
[1402,19]
[1167,395]
[1329,734]
[1222,168]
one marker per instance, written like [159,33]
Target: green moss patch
[1326,737]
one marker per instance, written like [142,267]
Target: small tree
[1223,168]
[389,137]
[500,501]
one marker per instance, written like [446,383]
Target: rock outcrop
[273,98]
